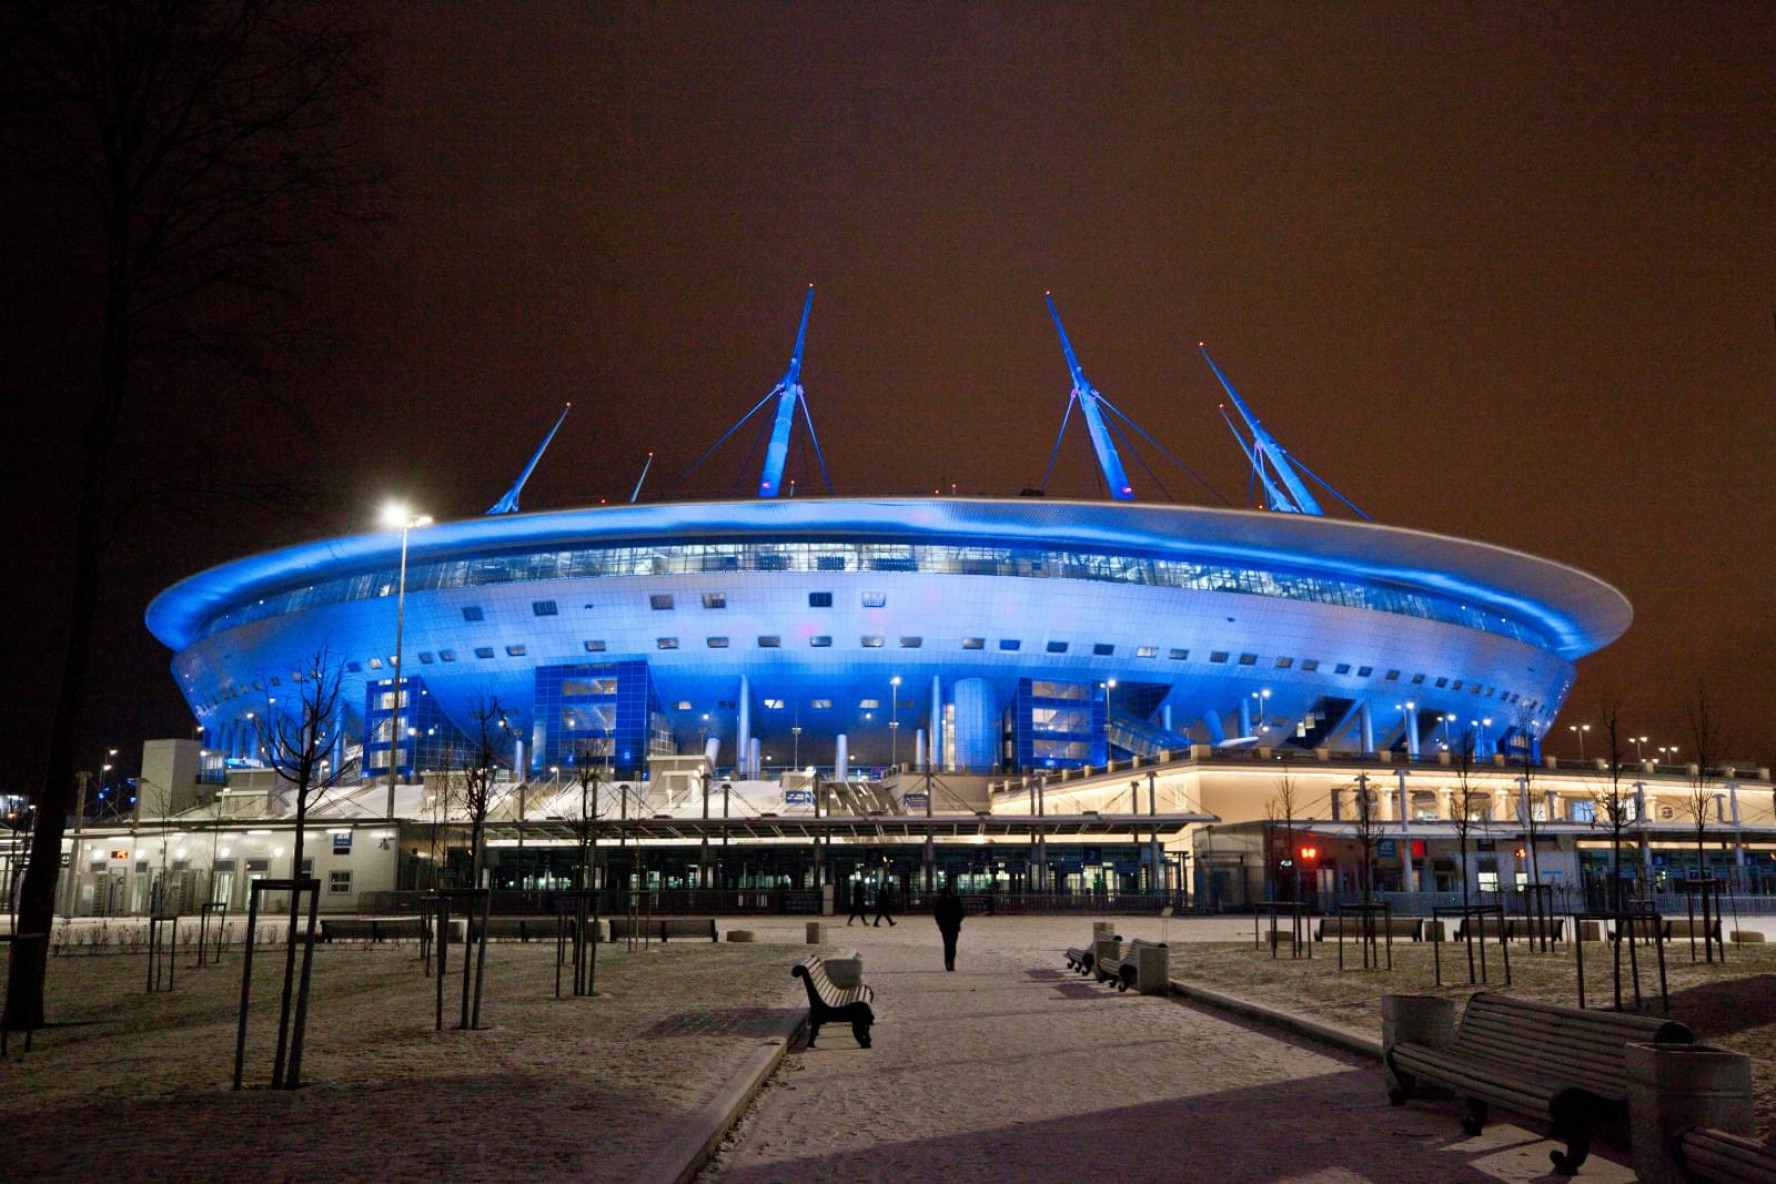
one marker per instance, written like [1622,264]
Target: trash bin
[816,933]
[1153,970]
[1673,1088]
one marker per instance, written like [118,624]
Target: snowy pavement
[1012,1069]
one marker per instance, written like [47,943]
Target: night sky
[1505,272]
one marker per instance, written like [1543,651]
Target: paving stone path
[1012,1069]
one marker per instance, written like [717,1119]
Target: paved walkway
[1012,1069]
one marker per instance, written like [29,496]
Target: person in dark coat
[948,911]
[884,902]
[859,909]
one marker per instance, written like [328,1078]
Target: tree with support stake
[1706,741]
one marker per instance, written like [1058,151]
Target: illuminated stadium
[959,634]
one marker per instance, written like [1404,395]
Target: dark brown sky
[1506,272]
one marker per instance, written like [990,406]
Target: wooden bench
[1719,1156]
[1485,928]
[1081,958]
[829,1003]
[665,928]
[371,928]
[1537,1059]
[1408,927]
[1121,969]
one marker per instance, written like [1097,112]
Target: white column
[1368,722]
[753,764]
[841,758]
[520,770]
[743,749]
[936,720]
[1409,718]
[1165,716]
[919,749]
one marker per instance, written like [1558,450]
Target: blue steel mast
[509,503]
[1087,396]
[1270,461]
[789,393]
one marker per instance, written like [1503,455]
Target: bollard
[1105,947]
[1153,970]
[739,935]
[1673,1088]
[816,933]
[1103,929]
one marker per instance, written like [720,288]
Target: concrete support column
[712,748]
[977,724]
[1410,720]
[1165,716]
[520,770]
[841,758]
[936,720]
[919,748]
[1245,715]
[1367,719]
[1217,732]
[743,742]
[753,763]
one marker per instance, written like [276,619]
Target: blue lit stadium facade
[975,634]
[1025,633]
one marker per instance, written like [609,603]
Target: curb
[1339,1037]
[688,1151]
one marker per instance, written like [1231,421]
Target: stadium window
[974,643]
[484,651]
[1218,656]
[822,704]
[514,651]
[1418,680]
[1248,659]
[770,643]
[1393,676]
[1342,668]
[820,600]
[1285,663]
[660,601]
[1147,651]
[1310,664]
[376,663]
[1102,649]
[446,655]
[544,608]
[1442,682]
[1365,671]
[875,600]
[715,600]
[773,705]
[820,641]
[472,612]
[339,882]
[1457,686]
[425,658]
[872,643]
[665,643]
[716,643]
[682,705]
[868,704]
[275,682]
[1057,647]
[594,647]
[911,643]
[1010,643]
[1180,655]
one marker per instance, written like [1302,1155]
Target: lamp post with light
[397,516]
[1579,730]
[894,721]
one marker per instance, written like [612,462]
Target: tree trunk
[30,960]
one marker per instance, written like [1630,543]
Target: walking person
[948,911]
[884,902]
[858,907]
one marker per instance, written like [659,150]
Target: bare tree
[1462,761]
[194,151]
[1706,741]
[1366,829]
[1526,768]
[297,735]
[1281,808]
[1616,805]
[585,822]
[476,767]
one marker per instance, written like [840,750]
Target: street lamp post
[1579,730]
[395,515]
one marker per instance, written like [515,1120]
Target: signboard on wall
[1387,849]
[342,842]
[798,797]
[916,801]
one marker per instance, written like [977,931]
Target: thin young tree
[1615,804]
[1703,724]
[586,829]
[1280,808]
[1461,760]
[477,766]
[192,155]
[297,735]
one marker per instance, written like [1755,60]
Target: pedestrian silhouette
[858,907]
[884,902]
[948,911]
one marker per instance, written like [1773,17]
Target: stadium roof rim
[1578,611]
